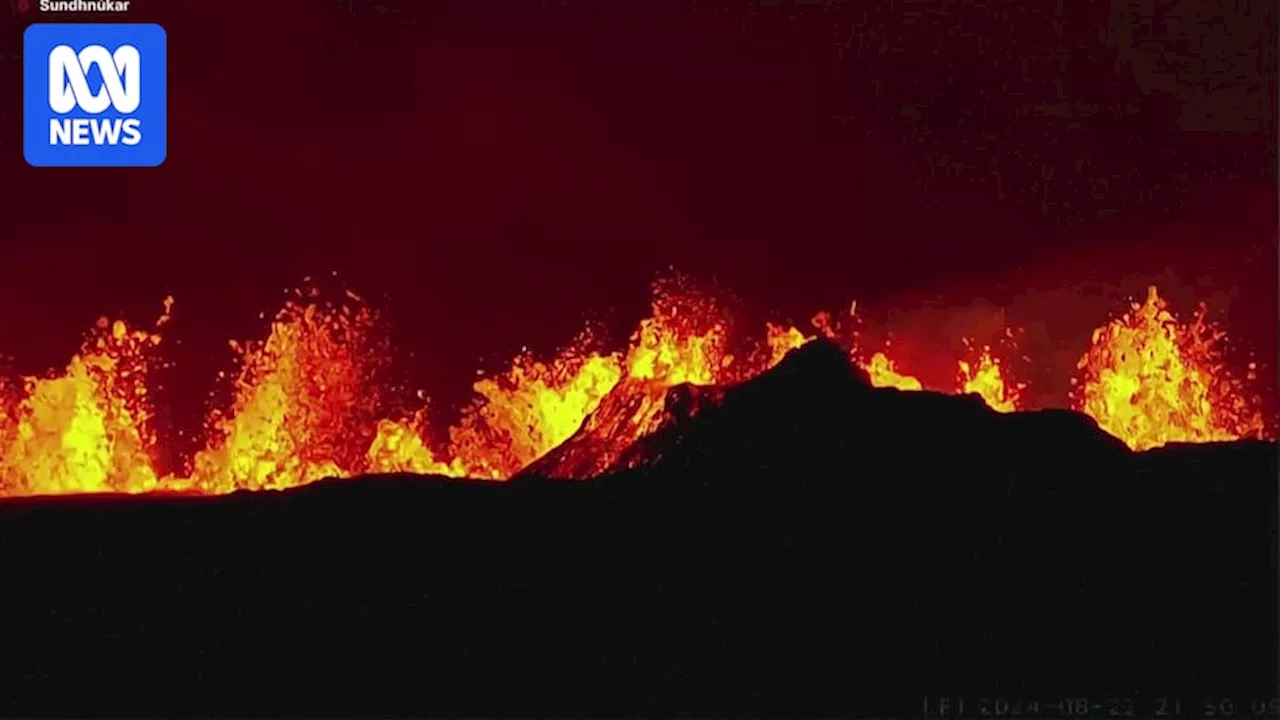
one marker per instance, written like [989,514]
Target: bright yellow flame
[884,374]
[300,399]
[986,380]
[88,429]
[307,399]
[1150,380]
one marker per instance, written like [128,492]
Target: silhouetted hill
[632,405]
[803,544]
[817,400]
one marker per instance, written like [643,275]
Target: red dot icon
[24,5]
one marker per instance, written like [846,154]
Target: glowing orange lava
[782,340]
[1150,380]
[87,429]
[884,373]
[531,409]
[985,378]
[400,447]
[301,398]
[308,401]
[683,341]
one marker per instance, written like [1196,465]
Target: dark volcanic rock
[805,545]
[633,408]
[817,398]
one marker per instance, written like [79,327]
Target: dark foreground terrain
[810,546]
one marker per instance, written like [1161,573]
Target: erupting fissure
[306,400]
[1150,380]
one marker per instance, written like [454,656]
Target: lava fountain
[1149,380]
[87,429]
[308,402]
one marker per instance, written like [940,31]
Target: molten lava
[683,341]
[884,374]
[308,401]
[300,398]
[1150,380]
[985,378]
[782,340]
[534,407]
[400,447]
[87,429]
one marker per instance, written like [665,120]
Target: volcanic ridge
[311,400]
[800,543]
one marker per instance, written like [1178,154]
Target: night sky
[493,173]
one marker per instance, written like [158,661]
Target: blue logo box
[94,95]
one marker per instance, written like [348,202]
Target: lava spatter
[401,447]
[87,429]
[782,340]
[308,401]
[985,377]
[603,401]
[1149,379]
[884,374]
[521,415]
[303,401]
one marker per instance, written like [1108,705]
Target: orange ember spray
[301,398]
[400,447]
[87,429]
[985,378]
[307,401]
[531,409]
[884,374]
[783,340]
[1150,380]
[684,340]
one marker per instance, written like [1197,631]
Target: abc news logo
[94,95]
[69,89]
